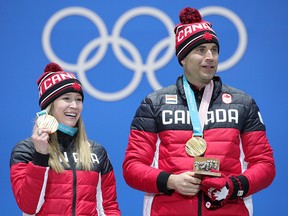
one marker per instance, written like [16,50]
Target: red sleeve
[109,194]
[259,155]
[137,169]
[27,182]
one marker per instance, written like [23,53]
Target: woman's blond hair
[81,146]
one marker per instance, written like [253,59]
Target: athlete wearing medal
[58,171]
[220,122]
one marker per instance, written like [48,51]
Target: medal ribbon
[67,129]
[196,121]
[43,112]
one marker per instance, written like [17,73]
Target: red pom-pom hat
[191,32]
[55,82]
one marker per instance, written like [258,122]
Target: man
[199,117]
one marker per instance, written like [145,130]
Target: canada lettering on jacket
[93,157]
[183,117]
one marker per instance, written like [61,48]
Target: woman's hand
[40,139]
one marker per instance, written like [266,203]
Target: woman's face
[67,108]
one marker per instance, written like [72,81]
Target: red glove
[217,188]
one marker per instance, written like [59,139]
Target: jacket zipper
[74,193]
[200,203]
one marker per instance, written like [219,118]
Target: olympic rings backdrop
[123,50]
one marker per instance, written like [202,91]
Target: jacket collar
[216,91]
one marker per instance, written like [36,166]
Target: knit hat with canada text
[191,32]
[55,82]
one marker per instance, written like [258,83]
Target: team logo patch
[226,98]
[171,99]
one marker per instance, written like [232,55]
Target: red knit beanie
[191,32]
[55,82]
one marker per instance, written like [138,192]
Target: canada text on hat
[55,82]
[191,32]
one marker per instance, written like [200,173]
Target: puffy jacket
[39,190]
[234,133]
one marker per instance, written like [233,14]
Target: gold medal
[47,121]
[196,146]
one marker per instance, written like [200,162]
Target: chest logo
[226,98]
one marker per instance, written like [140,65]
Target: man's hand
[221,188]
[185,183]
[217,188]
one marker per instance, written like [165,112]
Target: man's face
[201,63]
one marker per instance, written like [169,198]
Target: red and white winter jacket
[39,190]
[234,133]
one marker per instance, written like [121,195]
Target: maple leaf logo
[76,86]
[207,36]
[227,98]
[222,194]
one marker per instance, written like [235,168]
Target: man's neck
[198,86]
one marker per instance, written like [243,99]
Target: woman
[58,171]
